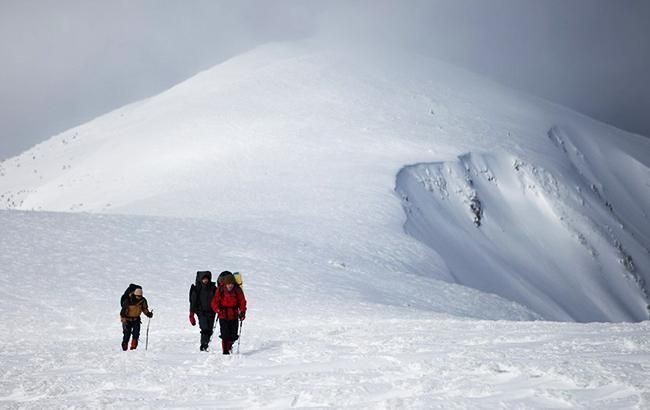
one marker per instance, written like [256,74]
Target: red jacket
[228,304]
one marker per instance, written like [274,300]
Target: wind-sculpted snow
[561,237]
[322,330]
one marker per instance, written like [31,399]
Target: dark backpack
[125,297]
[195,303]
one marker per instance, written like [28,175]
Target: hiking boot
[125,346]
[204,348]
[134,344]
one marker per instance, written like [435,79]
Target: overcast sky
[65,62]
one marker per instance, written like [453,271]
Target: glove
[192,319]
[242,315]
[150,314]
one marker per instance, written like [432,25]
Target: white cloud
[66,62]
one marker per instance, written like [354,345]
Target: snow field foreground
[394,358]
[323,330]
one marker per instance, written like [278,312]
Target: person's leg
[206,323]
[229,333]
[235,330]
[202,324]
[210,328]
[225,326]
[126,335]
[136,334]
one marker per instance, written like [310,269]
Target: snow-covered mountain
[385,210]
[513,195]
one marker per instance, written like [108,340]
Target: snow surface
[319,333]
[587,222]
[403,227]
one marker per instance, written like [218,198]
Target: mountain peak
[307,142]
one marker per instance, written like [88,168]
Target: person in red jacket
[229,303]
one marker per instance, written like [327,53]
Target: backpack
[195,302]
[239,283]
[238,278]
[125,297]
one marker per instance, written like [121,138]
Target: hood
[202,274]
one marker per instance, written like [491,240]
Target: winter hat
[138,292]
[222,275]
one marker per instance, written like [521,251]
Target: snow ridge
[306,143]
[544,235]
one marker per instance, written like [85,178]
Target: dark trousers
[131,328]
[206,323]
[229,329]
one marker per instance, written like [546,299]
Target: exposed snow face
[306,143]
[544,234]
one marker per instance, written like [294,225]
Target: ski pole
[215,323]
[146,342]
[241,326]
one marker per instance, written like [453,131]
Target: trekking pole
[215,323]
[241,325]
[146,341]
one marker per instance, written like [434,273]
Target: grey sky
[65,62]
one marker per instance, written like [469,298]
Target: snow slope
[402,226]
[306,143]
[318,333]
[574,228]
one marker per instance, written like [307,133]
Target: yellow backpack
[238,279]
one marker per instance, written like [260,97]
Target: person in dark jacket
[133,305]
[201,294]
[229,303]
